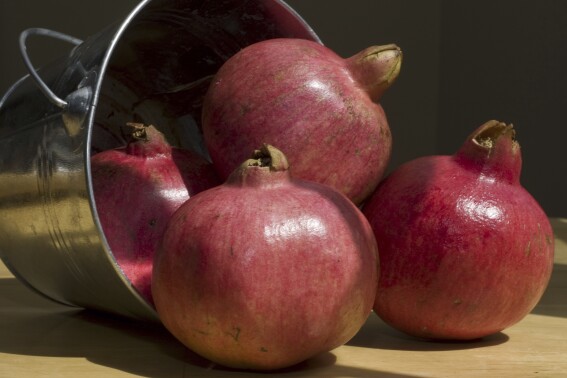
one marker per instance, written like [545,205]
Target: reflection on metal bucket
[154,67]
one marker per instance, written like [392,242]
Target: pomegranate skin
[265,271]
[137,188]
[465,250]
[321,110]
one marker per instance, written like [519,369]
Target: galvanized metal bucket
[153,67]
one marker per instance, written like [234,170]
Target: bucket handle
[52,97]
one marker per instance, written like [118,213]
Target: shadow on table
[31,325]
[378,335]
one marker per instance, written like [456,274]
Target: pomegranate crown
[267,166]
[493,149]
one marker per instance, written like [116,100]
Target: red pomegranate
[321,110]
[136,189]
[265,271]
[465,250]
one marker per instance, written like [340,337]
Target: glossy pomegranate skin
[465,250]
[137,188]
[321,110]
[265,271]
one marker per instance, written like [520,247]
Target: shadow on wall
[463,65]
[501,60]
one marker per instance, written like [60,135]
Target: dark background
[465,62]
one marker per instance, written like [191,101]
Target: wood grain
[39,338]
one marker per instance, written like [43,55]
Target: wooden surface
[39,338]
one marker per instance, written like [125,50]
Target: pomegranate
[465,250]
[266,270]
[321,110]
[137,188]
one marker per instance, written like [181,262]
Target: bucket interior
[164,61]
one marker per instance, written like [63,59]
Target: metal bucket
[153,67]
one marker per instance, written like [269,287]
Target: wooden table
[39,338]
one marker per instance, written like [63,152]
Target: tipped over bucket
[154,67]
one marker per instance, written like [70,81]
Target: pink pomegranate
[136,189]
[265,271]
[321,110]
[465,250]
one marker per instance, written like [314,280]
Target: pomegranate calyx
[493,150]
[137,131]
[146,140]
[267,166]
[270,157]
[489,133]
[376,68]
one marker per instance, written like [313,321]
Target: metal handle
[32,71]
